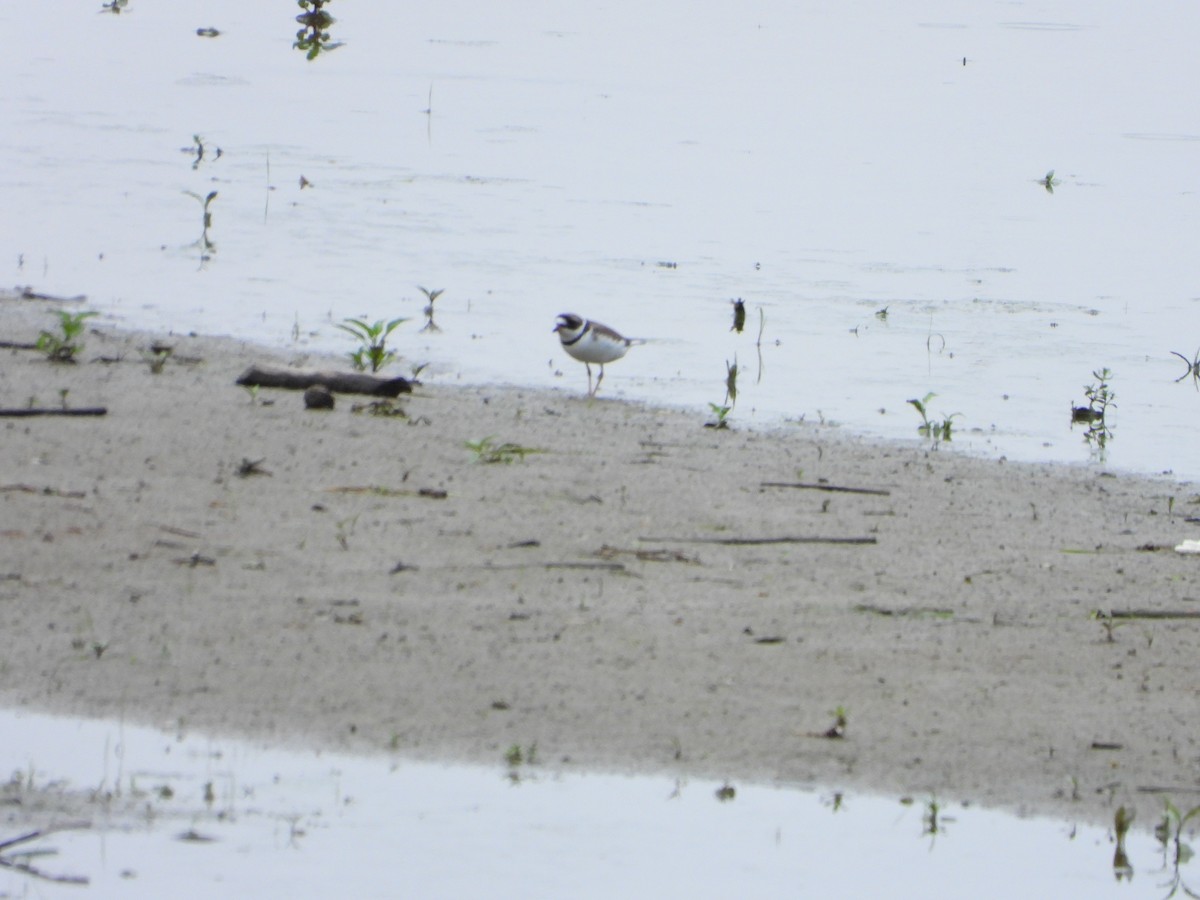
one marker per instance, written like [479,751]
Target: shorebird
[590,342]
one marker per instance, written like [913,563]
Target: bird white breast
[596,347]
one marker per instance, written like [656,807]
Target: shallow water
[820,163]
[291,823]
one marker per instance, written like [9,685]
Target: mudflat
[620,586]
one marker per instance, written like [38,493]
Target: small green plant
[931,428]
[313,36]
[1106,621]
[722,416]
[1049,182]
[931,821]
[156,359]
[837,730]
[1100,394]
[372,338]
[63,347]
[487,451]
[516,756]
[1169,833]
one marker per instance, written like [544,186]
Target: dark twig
[55,411]
[338,382]
[45,492]
[32,871]
[739,542]
[811,486]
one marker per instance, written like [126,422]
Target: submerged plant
[731,376]
[739,315]
[1169,832]
[1193,368]
[372,338]
[430,296]
[1122,820]
[931,819]
[1100,399]
[313,36]
[205,202]
[199,150]
[63,346]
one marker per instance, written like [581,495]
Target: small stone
[318,397]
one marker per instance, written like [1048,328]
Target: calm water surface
[645,165]
[295,824]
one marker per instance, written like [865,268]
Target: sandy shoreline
[634,597]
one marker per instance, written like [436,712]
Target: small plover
[590,342]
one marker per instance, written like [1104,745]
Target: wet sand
[640,594]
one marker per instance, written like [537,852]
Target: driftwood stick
[1153,614]
[338,382]
[28,293]
[56,411]
[809,486]
[740,542]
[46,492]
[17,345]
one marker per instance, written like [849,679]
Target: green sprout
[372,338]
[722,416]
[1100,398]
[62,347]
[931,428]
[487,451]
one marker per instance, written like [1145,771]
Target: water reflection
[153,814]
[204,242]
